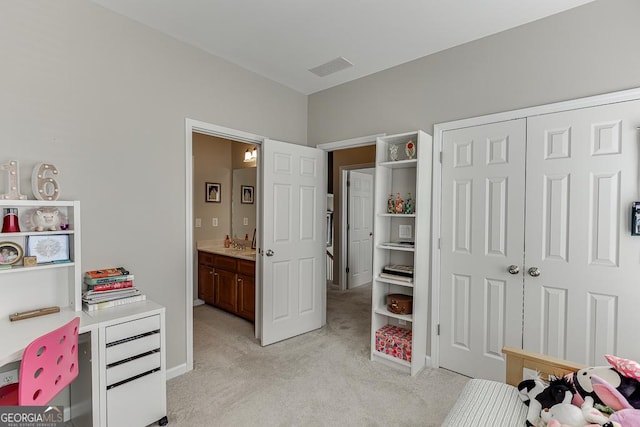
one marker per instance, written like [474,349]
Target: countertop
[219,249]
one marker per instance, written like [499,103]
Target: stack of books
[109,287]
[403,273]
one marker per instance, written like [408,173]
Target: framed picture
[246,194]
[49,248]
[212,192]
[10,253]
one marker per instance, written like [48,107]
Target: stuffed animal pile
[573,401]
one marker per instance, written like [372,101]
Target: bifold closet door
[582,175]
[482,235]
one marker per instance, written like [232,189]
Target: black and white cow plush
[538,396]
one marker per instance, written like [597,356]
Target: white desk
[92,376]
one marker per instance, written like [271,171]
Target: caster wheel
[163,421]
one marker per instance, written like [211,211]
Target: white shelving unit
[37,286]
[402,176]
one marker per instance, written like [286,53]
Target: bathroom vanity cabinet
[227,282]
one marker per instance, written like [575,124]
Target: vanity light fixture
[247,156]
[250,155]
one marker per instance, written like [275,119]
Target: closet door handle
[513,269]
[534,272]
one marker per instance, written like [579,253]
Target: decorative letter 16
[13,181]
[43,185]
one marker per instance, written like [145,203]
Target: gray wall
[589,50]
[105,100]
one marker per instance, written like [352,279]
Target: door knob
[513,269]
[534,272]
[269,252]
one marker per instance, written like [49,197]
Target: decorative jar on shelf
[409,207]
[410,150]
[393,152]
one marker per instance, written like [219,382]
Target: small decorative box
[394,341]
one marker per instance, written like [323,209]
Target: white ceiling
[283,39]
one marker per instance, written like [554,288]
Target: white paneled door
[293,240]
[360,228]
[574,289]
[481,236]
[582,176]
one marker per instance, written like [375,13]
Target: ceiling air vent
[331,67]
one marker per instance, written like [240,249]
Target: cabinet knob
[513,269]
[534,272]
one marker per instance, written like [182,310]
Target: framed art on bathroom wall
[246,194]
[212,193]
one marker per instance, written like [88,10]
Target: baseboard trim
[197,301]
[427,360]
[176,371]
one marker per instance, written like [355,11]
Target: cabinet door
[246,297]
[225,290]
[205,283]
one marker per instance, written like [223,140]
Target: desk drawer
[131,329]
[127,349]
[139,402]
[126,370]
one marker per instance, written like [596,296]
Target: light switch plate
[405,232]
[198,222]
[214,222]
[245,221]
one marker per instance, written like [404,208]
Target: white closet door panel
[481,235]
[582,175]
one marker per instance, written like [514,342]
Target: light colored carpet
[323,378]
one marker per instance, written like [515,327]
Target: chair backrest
[49,364]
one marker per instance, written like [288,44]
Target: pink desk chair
[48,365]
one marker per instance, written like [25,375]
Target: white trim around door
[221,132]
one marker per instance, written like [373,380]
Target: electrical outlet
[8,377]
[214,222]
[198,222]
[245,221]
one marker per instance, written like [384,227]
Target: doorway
[196,127]
[358,192]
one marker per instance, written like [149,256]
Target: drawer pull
[135,337]
[132,378]
[129,359]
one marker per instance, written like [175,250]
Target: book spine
[106,272]
[111,286]
[113,279]
[114,303]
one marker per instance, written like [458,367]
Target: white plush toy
[567,415]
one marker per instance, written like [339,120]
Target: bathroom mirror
[243,203]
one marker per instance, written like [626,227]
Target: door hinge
[347,269]
[438,333]
[441,157]
[348,183]
[438,243]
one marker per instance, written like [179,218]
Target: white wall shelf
[402,176]
[397,215]
[45,284]
[394,282]
[396,248]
